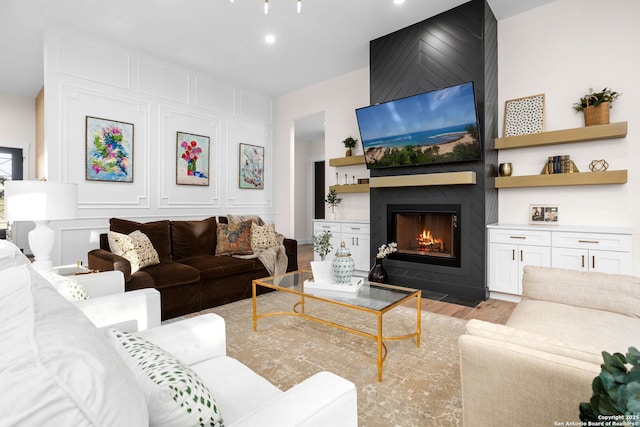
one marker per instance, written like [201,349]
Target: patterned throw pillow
[176,396]
[234,239]
[263,236]
[69,288]
[135,247]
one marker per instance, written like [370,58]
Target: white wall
[338,98]
[89,77]
[18,127]
[562,49]
[306,153]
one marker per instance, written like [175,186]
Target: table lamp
[41,202]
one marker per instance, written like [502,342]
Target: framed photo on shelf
[251,167]
[192,160]
[543,214]
[524,115]
[108,150]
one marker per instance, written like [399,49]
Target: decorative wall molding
[215,96]
[162,81]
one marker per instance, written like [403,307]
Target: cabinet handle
[518,237]
[593,261]
[582,261]
[352,242]
[357,241]
[513,254]
[326,227]
[355,228]
[588,241]
[521,255]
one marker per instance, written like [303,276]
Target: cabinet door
[610,262]
[571,259]
[539,256]
[359,247]
[503,268]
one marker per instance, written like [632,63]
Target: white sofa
[58,368]
[536,369]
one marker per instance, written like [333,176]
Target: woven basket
[596,115]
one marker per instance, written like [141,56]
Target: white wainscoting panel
[93,61]
[215,96]
[256,107]
[163,81]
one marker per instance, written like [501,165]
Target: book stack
[559,164]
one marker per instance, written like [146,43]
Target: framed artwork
[524,115]
[251,166]
[192,159]
[539,214]
[109,150]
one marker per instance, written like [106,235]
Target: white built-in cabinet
[511,247]
[354,234]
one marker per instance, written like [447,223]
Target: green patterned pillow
[69,288]
[234,239]
[263,236]
[176,396]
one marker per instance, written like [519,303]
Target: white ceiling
[223,39]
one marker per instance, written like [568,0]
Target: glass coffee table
[374,298]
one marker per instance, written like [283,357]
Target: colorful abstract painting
[109,150]
[251,166]
[192,167]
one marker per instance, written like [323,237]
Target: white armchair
[110,305]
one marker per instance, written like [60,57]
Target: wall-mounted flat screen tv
[432,127]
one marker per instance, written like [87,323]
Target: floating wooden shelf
[445,178]
[350,188]
[562,179]
[347,161]
[565,136]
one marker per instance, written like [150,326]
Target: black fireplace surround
[457,46]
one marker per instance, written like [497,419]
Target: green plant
[332,199]
[596,98]
[349,142]
[616,391]
[322,244]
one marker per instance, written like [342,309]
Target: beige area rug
[420,387]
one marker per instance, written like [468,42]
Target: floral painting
[251,166]
[109,150]
[192,166]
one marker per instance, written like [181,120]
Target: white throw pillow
[135,247]
[68,288]
[56,367]
[176,396]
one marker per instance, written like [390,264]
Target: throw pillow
[176,396]
[263,236]
[158,232]
[135,248]
[234,239]
[69,288]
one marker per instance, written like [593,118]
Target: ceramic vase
[377,273]
[342,266]
[321,271]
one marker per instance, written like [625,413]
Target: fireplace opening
[427,234]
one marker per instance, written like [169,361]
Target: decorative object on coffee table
[349,143]
[378,273]
[342,266]
[524,115]
[596,105]
[322,246]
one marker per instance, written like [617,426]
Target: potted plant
[616,390]
[332,201]
[322,246]
[349,143]
[595,106]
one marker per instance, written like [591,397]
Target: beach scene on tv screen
[433,127]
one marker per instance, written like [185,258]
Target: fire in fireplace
[425,233]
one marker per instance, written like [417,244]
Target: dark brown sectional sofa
[190,276]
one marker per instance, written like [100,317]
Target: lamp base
[41,241]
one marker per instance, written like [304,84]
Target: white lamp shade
[40,200]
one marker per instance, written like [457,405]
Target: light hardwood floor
[491,310]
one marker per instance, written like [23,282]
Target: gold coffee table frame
[388,297]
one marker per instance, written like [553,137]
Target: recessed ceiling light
[270,39]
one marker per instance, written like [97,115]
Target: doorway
[10,169]
[318,190]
